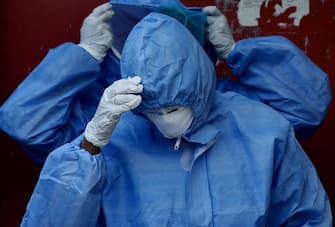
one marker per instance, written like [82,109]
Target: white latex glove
[95,33]
[118,98]
[218,32]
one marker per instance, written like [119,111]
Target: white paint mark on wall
[249,10]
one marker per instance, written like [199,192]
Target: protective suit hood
[174,68]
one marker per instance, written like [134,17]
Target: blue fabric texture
[67,98]
[149,54]
[302,87]
[247,167]
[194,20]
[128,13]
[45,94]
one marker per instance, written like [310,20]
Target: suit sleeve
[69,189]
[53,104]
[297,195]
[274,71]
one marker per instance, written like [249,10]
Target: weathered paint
[249,11]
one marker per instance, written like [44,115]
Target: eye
[162,111]
[172,110]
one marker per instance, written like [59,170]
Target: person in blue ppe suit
[165,148]
[266,68]
[54,103]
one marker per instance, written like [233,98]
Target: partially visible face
[171,121]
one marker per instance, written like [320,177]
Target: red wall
[30,28]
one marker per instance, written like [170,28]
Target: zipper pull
[177,144]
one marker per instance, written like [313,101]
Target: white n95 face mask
[171,121]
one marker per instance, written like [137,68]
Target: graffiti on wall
[282,13]
[250,10]
[305,22]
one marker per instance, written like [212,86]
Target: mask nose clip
[177,144]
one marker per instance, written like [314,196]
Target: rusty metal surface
[31,28]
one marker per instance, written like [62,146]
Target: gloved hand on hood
[118,98]
[218,32]
[95,33]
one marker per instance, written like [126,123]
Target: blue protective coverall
[54,103]
[239,163]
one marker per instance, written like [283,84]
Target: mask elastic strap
[116,52]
